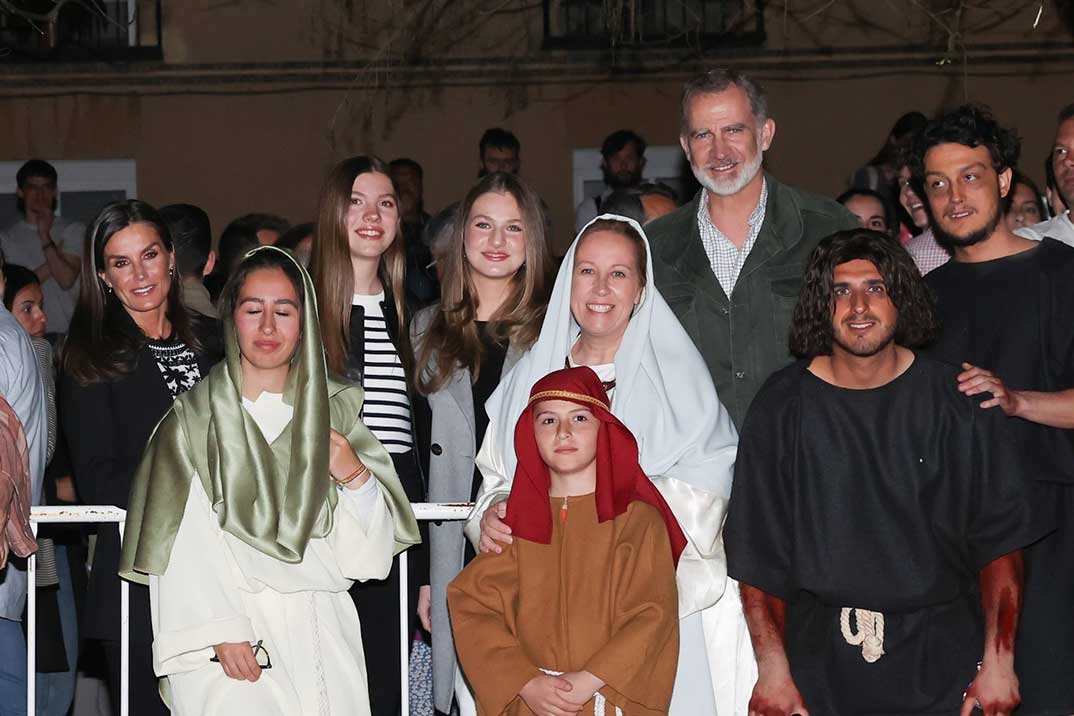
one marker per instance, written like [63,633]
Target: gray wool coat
[453,450]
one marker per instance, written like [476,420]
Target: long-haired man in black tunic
[877,513]
[1006,308]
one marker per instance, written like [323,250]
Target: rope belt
[870,633]
[599,702]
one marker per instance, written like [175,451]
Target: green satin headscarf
[275,497]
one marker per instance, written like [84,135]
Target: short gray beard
[745,176]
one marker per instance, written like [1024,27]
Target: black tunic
[890,499]
[1015,316]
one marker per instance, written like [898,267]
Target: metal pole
[124,639]
[31,629]
[404,637]
[98,513]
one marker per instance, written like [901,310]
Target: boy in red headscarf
[579,613]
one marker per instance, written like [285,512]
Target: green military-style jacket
[743,338]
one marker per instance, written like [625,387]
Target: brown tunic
[600,598]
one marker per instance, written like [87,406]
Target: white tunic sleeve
[196,602]
[363,536]
[495,485]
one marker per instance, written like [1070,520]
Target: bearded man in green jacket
[730,262]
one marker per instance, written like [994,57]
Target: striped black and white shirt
[386,411]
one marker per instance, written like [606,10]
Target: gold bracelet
[354,475]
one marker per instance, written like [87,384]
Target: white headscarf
[664,394]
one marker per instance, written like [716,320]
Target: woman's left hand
[343,461]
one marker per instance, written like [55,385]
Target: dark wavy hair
[970,125]
[811,328]
[103,340]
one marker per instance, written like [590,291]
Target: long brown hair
[330,265]
[452,339]
[103,340]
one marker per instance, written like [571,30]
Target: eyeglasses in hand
[261,655]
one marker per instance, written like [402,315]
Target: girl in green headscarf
[261,497]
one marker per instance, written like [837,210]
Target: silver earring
[171,270]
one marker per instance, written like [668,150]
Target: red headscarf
[620,479]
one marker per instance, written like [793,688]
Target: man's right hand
[44,220]
[238,661]
[776,697]
[494,531]
[544,695]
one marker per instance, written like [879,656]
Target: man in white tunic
[261,497]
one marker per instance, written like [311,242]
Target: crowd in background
[430,313]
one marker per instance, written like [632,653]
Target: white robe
[217,589]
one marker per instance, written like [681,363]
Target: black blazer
[411,474]
[107,426]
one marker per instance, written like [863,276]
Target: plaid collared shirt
[725,258]
[926,252]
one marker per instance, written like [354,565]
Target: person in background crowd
[192,236]
[880,173]
[496,271]
[1006,305]
[421,281]
[658,199]
[241,235]
[1025,205]
[606,313]
[585,592]
[864,537]
[299,241]
[1056,205]
[57,618]
[24,299]
[131,350]
[624,202]
[498,151]
[437,235]
[48,244]
[1060,227]
[874,212]
[326,510]
[409,178]
[736,252]
[622,163]
[22,390]
[923,248]
[358,268]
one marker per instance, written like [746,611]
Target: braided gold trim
[566,395]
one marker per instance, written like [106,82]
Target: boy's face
[566,435]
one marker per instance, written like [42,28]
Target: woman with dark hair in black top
[131,349]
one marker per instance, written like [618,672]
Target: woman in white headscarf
[606,313]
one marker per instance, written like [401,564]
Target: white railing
[38,515]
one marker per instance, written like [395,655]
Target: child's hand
[585,685]
[546,696]
[493,529]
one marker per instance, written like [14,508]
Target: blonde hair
[452,339]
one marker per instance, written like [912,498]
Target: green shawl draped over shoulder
[275,497]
